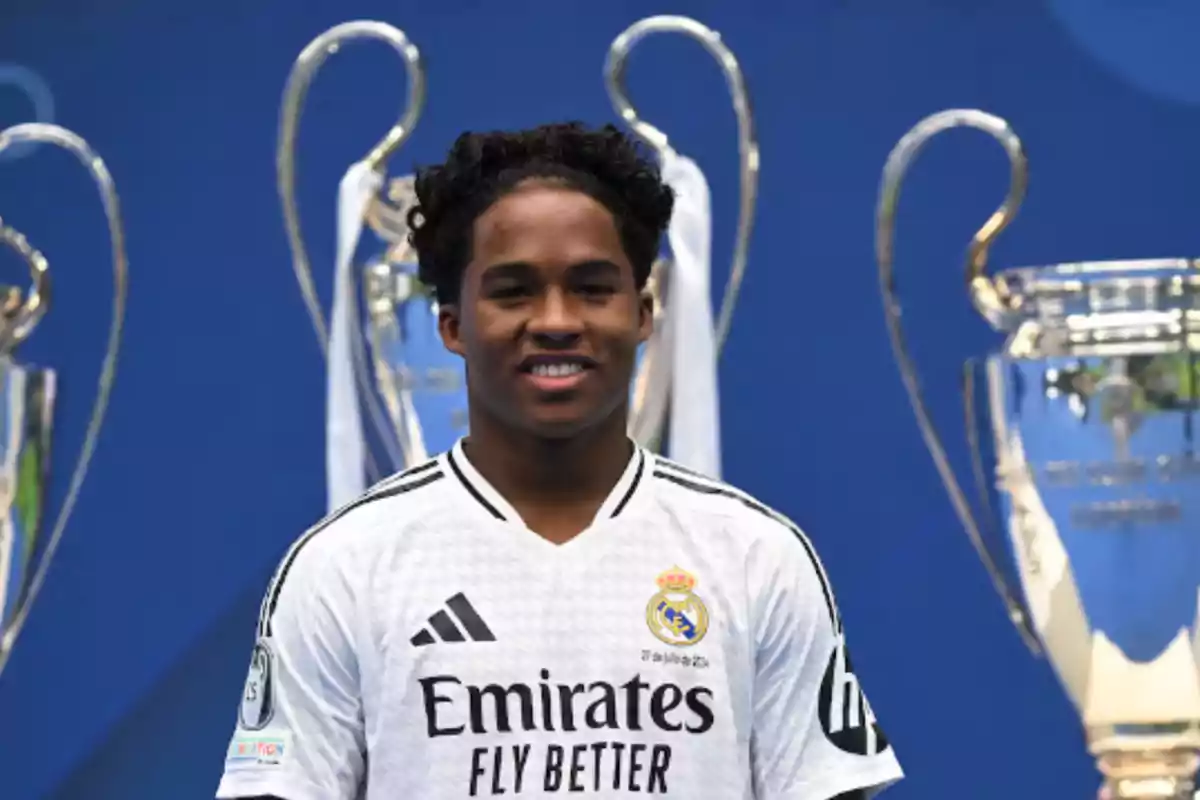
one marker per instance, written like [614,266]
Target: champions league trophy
[27,395]
[402,361]
[674,402]
[1092,402]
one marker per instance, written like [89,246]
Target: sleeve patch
[267,749]
[258,697]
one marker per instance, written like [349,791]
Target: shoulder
[776,549]
[335,547]
[727,506]
[386,508]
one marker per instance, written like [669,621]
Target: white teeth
[556,370]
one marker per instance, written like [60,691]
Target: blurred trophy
[396,356]
[27,395]
[1091,401]
[674,406]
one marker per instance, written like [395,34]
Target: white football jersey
[422,642]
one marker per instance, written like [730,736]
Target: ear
[646,316]
[450,328]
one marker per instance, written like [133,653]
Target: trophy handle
[299,79]
[614,81]
[53,134]
[989,296]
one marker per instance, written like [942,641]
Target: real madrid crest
[258,703]
[676,615]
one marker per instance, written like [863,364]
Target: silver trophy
[398,354]
[649,408]
[27,395]
[1091,402]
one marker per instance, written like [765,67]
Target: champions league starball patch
[258,702]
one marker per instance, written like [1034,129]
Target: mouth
[558,373]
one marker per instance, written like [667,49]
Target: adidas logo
[443,624]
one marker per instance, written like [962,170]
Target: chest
[664,611]
[622,668]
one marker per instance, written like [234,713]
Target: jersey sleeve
[814,734]
[300,732]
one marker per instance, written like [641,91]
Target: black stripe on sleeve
[417,470]
[399,477]
[753,505]
[392,490]
[675,466]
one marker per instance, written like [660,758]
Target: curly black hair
[481,168]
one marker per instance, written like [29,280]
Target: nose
[555,322]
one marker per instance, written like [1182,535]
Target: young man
[548,609]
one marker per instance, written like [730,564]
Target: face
[549,318]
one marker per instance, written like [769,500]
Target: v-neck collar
[491,503]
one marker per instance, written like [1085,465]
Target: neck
[559,477]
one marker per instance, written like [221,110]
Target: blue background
[126,681]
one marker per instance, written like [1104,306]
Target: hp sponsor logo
[845,714]
[24,97]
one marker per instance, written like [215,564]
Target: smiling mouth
[555,376]
[560,370]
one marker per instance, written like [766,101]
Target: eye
[596,289]
[508,291]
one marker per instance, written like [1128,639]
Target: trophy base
[1134,768]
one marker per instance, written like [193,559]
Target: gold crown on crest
[676,580]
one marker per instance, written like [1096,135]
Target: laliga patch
[258,697]
[264,750]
